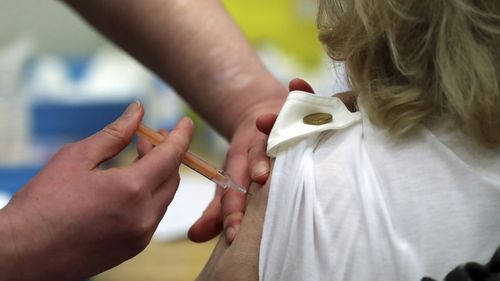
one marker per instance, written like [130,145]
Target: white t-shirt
[349,203]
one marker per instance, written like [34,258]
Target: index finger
[300,85]
[156,166]
[233,202]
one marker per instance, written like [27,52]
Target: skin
[196,47]
[74,220]
[240,260]
[265,122]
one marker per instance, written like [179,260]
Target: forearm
[21,246]
[74,219]
[7,250]
[16,252]
[196,47]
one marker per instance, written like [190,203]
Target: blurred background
[60,81]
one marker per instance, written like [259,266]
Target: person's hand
[74,220]
[246,161]
[227,208]
[265,123]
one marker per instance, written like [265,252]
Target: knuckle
[115,131]
[132,187]
[176,150]
[229,202]
[127,187]
[142,229]
[68,149]
[181,140]
[233,218]
[178,154]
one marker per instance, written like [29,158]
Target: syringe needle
[194,162]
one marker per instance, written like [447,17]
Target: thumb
[301,85]
[265,123]
[113,138]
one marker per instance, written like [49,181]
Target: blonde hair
[418,61]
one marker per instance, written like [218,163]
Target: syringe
[194,162]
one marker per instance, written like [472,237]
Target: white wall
[54,26]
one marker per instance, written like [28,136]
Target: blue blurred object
[73,120]
[77,67]
[13,178]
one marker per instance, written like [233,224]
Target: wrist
[19,253]
[265,96]
[10,263]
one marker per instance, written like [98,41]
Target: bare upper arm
[240,260]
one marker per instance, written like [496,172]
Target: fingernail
[188,120]
[230,234]
[133,109]
[261,168]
